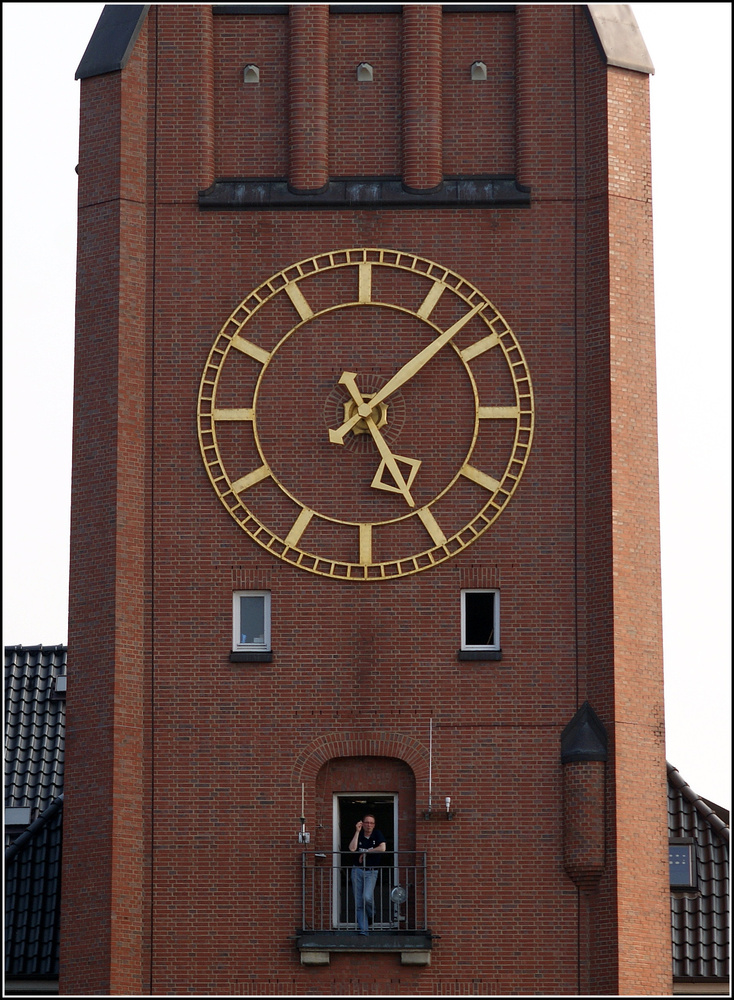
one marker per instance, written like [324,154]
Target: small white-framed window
[251,620]
[480,619]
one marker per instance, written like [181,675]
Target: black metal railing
[400,901]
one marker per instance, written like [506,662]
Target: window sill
[479,654]
[256,656]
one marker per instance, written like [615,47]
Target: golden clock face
[365,414]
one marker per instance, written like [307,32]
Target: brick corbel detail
[583,821]
[583,758]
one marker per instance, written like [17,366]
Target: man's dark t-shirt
[374,859]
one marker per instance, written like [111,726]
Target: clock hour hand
[389,460]
[337,436]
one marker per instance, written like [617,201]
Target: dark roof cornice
[113,39]
[38,824]
[710,815]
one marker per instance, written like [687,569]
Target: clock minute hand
[415,364]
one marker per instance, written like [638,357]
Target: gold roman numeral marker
[250,349]
[431,525]
[365,283]
[296,296]
[499,412]
[480,478]
[485,344]
[256,476]
[365,544]
[430,301]
[233,414]
[299,526]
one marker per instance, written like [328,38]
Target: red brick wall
[479,116]
[365,118]
[251,121]
[199,792]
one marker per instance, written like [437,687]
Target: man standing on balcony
[367,841]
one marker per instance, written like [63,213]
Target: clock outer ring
[301,558]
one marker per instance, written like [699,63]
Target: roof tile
[34,778]
[700,917]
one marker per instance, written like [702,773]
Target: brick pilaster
[422,126]
[308,96]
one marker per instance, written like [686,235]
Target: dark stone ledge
[240,656]
[375,192]
[371,8]
[374,941]
[479,654]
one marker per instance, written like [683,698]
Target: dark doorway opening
[352,807]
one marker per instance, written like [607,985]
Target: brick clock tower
[365,515]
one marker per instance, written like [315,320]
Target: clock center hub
[379,414]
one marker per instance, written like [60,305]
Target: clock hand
[404,374]
[337,436]
[415,364]
[390,460]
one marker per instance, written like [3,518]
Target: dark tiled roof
[35,717]
[700,917]
[33,897]
[34,726]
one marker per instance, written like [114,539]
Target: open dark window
[480,620]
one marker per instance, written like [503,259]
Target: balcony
[329,918]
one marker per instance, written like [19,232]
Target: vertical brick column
[308,97]
[185,101]
[583,820]
[583,756]
[523,89]
[105,904]
[584,856]
[422,70]
[545,149]
[639,771]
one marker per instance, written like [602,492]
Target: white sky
[690,45]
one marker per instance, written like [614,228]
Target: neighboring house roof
[700,915]
[35,716]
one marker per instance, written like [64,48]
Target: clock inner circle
[334,451]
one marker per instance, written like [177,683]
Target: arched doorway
[347,788]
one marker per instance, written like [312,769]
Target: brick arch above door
[361,743]
[380,785]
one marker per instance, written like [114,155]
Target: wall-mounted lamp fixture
[365,73]
[303,836]
[251,73]
[448,814]
[478,70]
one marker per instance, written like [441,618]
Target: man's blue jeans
[363,883]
